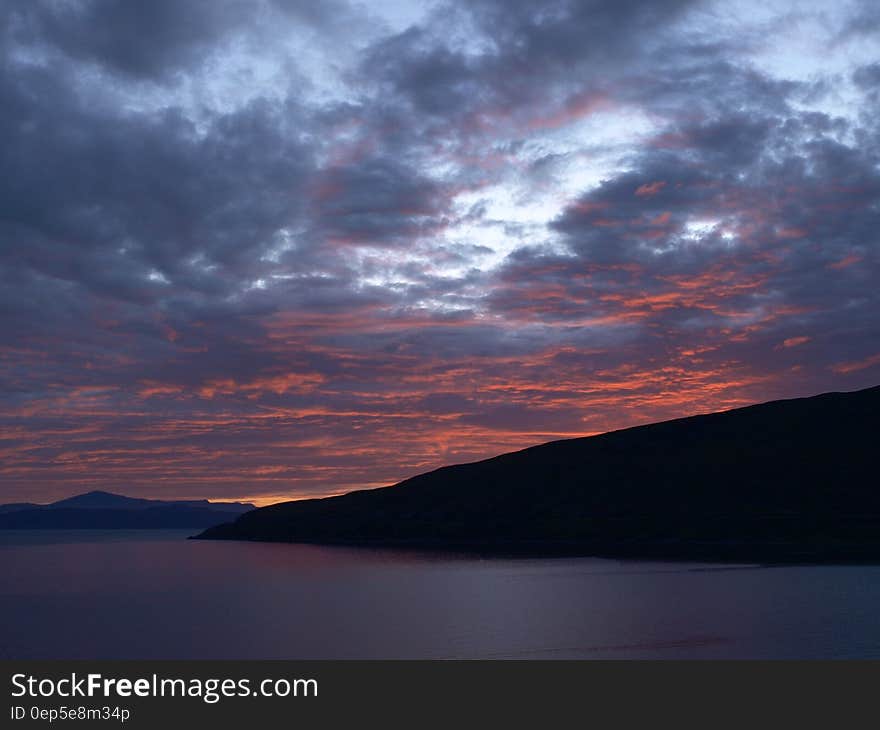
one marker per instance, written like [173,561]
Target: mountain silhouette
[792,480]
[17,506]
[105,510]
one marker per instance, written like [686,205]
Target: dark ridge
[104,510]
[17,507]
[792,480]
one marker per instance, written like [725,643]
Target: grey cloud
[377,200]
[146,41]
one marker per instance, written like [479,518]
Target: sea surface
[154,594]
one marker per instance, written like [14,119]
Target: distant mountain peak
[99,499]
[101,509]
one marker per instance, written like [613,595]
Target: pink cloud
[649,190]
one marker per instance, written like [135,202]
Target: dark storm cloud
[162,40]
[522,58]
[376,200]
[88,194]
[867,77]
[559,33]
[147,41]
[863,19]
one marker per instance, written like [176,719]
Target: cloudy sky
[268,249]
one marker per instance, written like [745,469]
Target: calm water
[153,594]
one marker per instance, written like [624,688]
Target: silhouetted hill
[16,507]
[786,480]
[103,500]
[105,510]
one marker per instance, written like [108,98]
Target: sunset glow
[327,246]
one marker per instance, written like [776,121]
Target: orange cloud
[850,367]
[278,384]
[662,219]
[649,190]
[791,233]
[845,262]
[586,207]
[150,389]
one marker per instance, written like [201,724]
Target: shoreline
[766,555]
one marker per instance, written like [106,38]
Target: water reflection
[149,594]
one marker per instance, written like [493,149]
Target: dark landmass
[786,481]
[17,506]
[104,510]
[108,500]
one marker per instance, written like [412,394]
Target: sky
[275,249]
